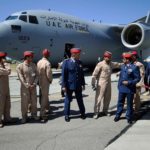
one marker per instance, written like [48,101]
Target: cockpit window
[23,18]
[24,12]
[11,17]
[33,19]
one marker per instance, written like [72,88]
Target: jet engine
[136,35]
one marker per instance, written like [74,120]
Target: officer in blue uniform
[73,81]
[129,76]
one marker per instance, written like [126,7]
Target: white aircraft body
[36,29]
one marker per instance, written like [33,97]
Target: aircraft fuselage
[56,31]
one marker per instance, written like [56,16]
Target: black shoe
[48,112]
[11,121]
[43,119]
[62,94]
[67,119]
[103,114]
[83,116]
[129,121]
[116,119]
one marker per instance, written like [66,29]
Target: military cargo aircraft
[37,29]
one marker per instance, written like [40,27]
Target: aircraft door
[67,53]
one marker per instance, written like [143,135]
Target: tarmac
[88,134]
[137,137]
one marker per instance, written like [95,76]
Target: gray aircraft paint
[54,30]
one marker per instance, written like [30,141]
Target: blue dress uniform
[73,80]
[130,73]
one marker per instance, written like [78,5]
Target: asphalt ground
[56,134]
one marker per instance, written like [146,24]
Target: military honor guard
[28,76]
[5,104]
[101,82]
[137,101]
[45,79]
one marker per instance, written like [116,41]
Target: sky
[105,11]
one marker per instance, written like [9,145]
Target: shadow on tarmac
[57,111]
[145,107]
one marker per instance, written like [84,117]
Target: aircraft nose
[4,29]
[4,33]
[8,40]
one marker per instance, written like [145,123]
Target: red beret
[28,53]
[127,55]
[46,52]
[75,50]
[3,54]
[107,54]
[134,53]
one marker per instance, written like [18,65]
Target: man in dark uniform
[73,81]
[129,77]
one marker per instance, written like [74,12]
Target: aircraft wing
[140,19]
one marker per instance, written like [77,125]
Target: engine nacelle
[136,36]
